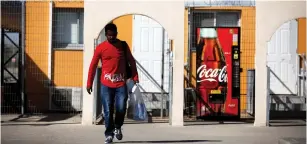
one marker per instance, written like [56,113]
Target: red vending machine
[218,72]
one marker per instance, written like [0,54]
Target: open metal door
[12,57]
[10,71]
[96,90]
[98,110]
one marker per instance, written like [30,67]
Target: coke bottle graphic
[211,71]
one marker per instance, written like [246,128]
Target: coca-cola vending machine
[218,72]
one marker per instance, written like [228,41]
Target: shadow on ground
[36,124]
[40,120]
[58,119]
[195,123]
[170,141]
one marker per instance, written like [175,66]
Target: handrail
[195,97]
[149,76]
[155,83]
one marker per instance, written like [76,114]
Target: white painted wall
[269,16]
[170,14]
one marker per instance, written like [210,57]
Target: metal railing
[170,87]
[268,104]
[156,84]
[190,102]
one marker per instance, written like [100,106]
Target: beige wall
[269,16]
[166,13]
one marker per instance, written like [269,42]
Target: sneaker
[118,134]
[109,139]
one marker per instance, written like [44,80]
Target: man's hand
[135,82]
[89,90]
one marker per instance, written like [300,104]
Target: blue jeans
[109,96]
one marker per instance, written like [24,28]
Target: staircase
[157,104]
[292,106]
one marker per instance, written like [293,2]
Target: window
[213,19]
[203,19]
[210,3]
[227,19]
[68,28]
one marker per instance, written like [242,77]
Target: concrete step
[153,100]
[288,102]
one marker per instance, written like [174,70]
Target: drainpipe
[170,87]
[22,73]
[162,74]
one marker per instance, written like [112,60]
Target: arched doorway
[150,46]
[267,22]
[99,13]
[286,73]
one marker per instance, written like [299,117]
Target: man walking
[114,55]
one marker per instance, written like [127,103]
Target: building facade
[55,37]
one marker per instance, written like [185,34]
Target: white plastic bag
[136,108]
[131,100]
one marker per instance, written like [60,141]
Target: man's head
[111,32]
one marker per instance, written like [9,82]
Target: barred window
[68,28]
[227,19]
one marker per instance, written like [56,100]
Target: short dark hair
[111,27]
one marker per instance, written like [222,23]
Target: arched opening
[286,61]
[150,46]
[267,21]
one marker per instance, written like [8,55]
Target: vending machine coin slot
[236,72]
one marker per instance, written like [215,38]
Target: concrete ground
[33,131]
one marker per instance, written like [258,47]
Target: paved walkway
[17,132]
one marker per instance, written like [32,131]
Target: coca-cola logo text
[211,74]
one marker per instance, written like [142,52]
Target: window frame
[56,45]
